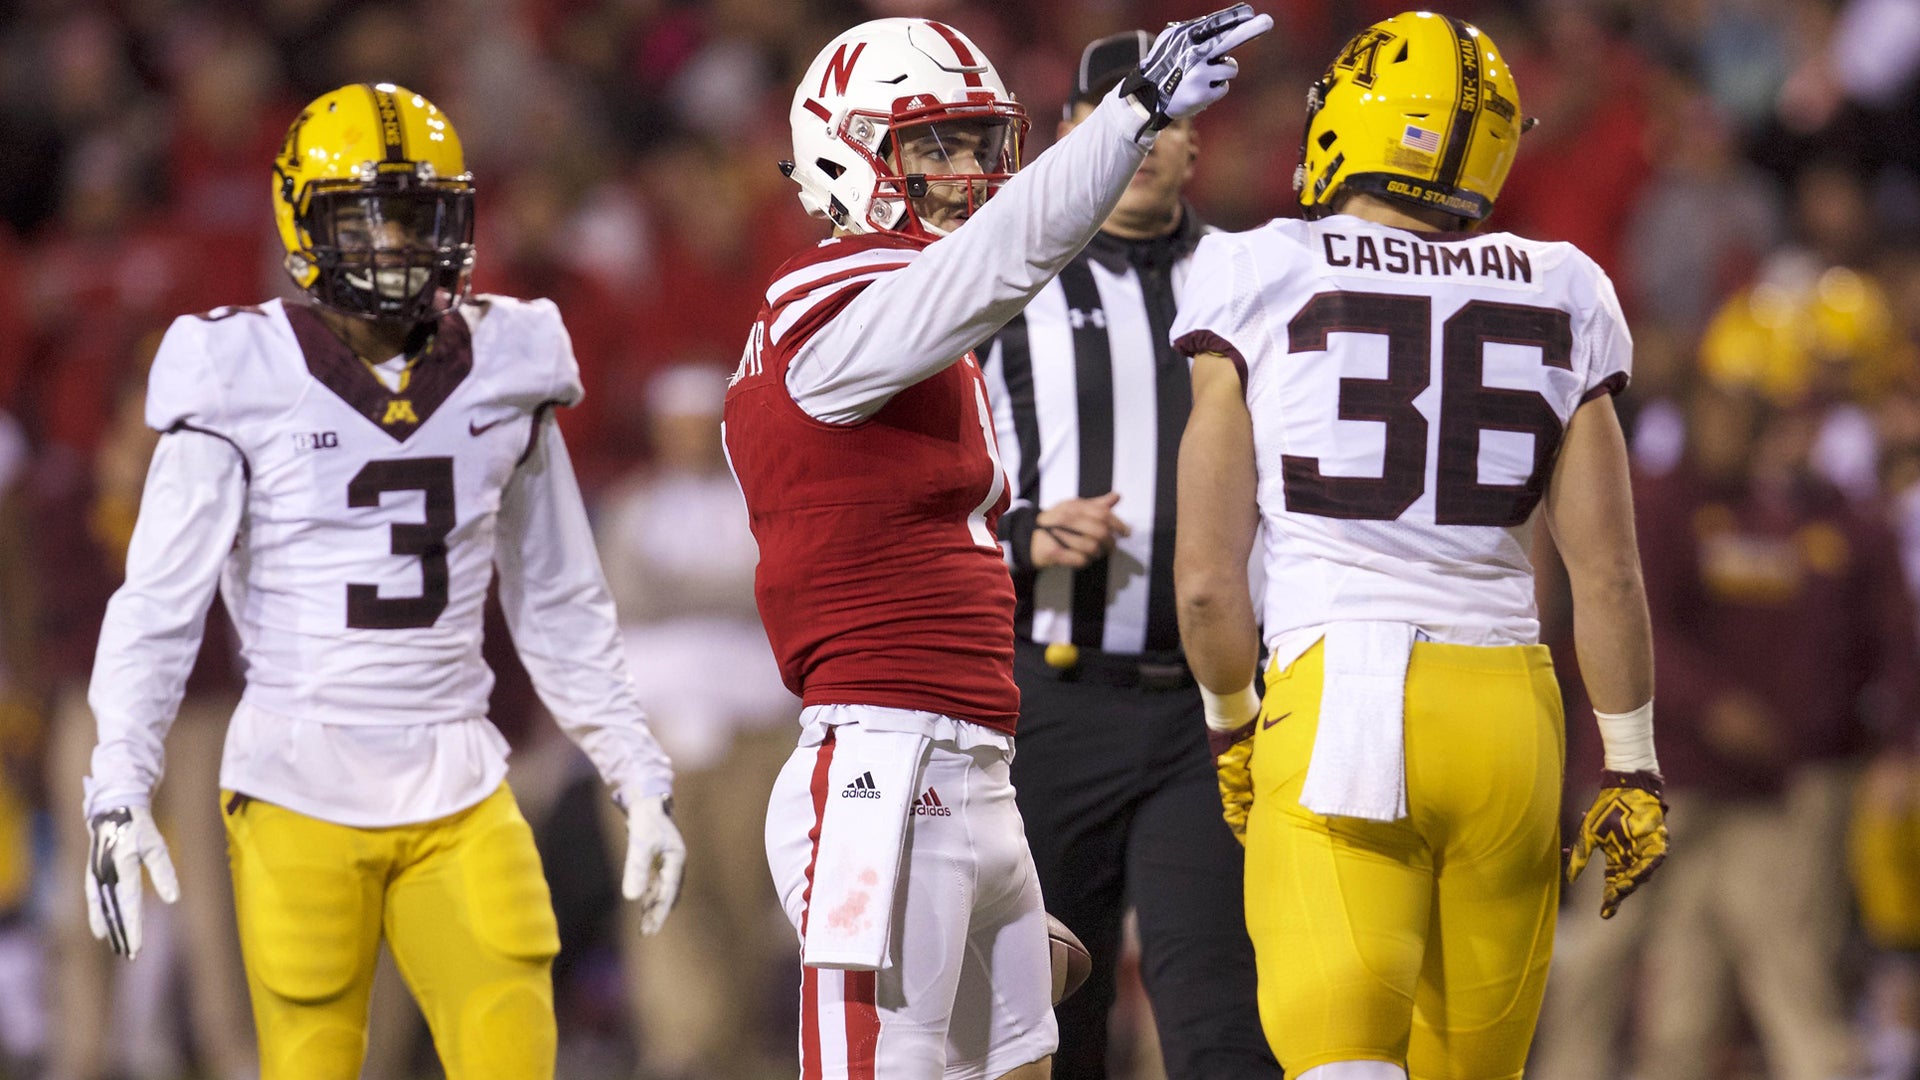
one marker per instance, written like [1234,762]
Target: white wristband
[1628,739]
[1226,712]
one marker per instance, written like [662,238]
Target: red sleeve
[821,309]
[813,288]
[814,271]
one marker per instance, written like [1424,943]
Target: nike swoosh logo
[481,429]
[1265,724]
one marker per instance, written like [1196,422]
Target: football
[1072,963]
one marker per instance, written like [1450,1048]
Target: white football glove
[655,857]
[1188,67]
[124,839]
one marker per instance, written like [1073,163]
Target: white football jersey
[367,544]
[1408,393]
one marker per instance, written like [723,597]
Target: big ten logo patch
[315,440]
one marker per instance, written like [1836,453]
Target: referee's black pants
[1122,808]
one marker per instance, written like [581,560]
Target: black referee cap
[1104,63]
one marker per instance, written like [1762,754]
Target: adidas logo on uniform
[929,805]
[862,787]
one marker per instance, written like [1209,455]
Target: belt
[1144,671]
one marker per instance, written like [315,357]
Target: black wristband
[1150,98]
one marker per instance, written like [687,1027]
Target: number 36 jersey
[354,553]
[1408,393]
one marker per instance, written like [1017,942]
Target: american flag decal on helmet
[1419,138]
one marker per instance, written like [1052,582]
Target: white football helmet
[897,77]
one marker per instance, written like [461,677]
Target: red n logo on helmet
[840,69]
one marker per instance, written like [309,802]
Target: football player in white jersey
[1393,398]
[351,469]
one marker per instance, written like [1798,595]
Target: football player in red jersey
[858,426]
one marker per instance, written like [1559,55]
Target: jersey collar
[445,364]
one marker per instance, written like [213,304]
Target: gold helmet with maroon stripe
[883,84]
[375,205]
[1420,109]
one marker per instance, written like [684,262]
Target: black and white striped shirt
[1089,397]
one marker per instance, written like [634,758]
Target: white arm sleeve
[561,615]
[915,321]
[195,495]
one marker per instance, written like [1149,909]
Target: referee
[1113,776]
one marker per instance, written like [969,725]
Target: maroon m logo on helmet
[1362,53]
[840,69]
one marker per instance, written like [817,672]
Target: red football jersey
[881,580]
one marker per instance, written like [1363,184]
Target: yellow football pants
[1883,849]
[464,908]
[1423,942]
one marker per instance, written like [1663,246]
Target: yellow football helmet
[375,205]
[1419,108]
[1804,332]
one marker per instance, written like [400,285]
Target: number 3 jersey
[354,550]
[1408,393]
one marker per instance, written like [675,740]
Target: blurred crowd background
[1747,170]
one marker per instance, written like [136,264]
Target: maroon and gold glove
[1629,823]
[1233,763]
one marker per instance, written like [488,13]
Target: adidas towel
[871,783]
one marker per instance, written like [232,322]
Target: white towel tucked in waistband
[870,786]
[1359,763]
